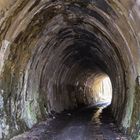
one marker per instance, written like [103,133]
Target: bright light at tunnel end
[101,90]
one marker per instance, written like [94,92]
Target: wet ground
[90,123]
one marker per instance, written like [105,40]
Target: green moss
[138,138]
[30,115]
[135,121]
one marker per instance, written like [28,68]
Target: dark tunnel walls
[50,48]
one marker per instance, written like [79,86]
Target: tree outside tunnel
[51,49]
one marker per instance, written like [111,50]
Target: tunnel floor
[89,123]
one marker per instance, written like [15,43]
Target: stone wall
[46,48]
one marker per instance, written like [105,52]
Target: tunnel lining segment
[53,43]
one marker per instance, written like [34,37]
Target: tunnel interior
[67,69]
[55,55]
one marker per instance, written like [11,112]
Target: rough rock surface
[48,50]
[84,124]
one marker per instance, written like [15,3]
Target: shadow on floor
[88,123]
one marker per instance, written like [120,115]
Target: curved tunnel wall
[47,47]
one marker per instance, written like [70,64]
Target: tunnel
[54,52]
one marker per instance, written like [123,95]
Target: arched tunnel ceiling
[49,46]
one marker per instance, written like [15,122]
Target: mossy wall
[46,45]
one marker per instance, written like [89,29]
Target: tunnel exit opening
[99,89]
[102,89]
